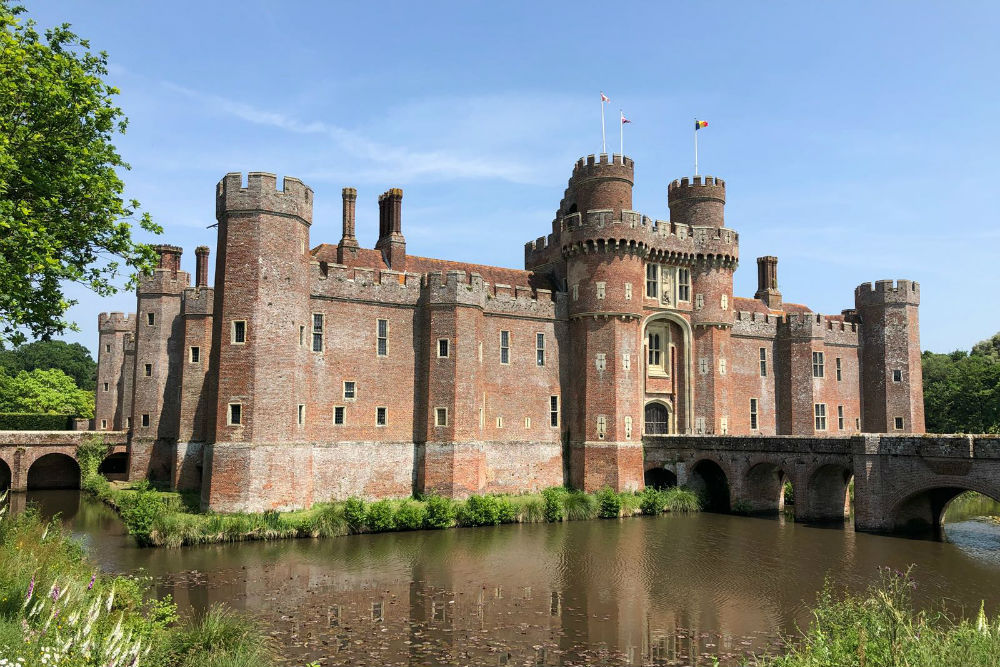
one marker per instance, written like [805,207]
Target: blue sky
[858,140]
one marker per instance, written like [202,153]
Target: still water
[663,590]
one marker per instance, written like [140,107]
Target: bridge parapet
[952,445]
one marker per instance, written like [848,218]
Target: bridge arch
[54,471]
[765,487]
[659,478]
[709,480]
[922,510]
[115,466]
[5,476]
[826,493]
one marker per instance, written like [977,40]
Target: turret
[598,183]
[697,201]
[891,382]
[109,399]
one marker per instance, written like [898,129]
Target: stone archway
[54,471]
[826,494]
[5,476]
[666,360]
[765,488]
[659,478]
[923,510]
[657,418]
[710,482]
[115,466]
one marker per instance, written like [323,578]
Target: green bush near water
[609,504]
[441,512]
[381,517]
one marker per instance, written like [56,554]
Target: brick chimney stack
[201,266]
[170,258]
[767,282]
[391,241]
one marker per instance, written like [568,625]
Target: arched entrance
[115,467]
[766,488]
[54,471]
[5,476]
[657,419]
[666,350]
[659,478]
[827,494]
[922,512]
[709,481]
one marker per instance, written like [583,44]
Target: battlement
[199,301]
[109,322]
[698,186]
[757,325]
[884,292]
[473,282]
[164,281]
[261,194]
[599,165]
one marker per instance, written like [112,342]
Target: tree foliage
[962,390]
[44,391]
[72,359]
[63,214]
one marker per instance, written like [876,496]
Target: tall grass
[881,628]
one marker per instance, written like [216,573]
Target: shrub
[486,511]
[411,515]
[441,512]
[28,421]
[631,503]
[139,510]
[329,521]
[530,509]
[789,493]
[609,504]
[355,514]
[579,506]
[552,500]
[652,501]
[679,499]
[380,517]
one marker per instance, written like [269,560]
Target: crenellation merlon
[261,194]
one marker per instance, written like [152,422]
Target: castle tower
[605,279]
[261,301]
[699,204]
[159,341]
[892,390]
[109,400]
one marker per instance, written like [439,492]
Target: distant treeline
[47,378]
[962,389]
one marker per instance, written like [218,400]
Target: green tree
[63,215]
[962,391]
[72,359]
[44,391]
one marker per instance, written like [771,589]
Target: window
[763,362]
[527,422]
[817,364]
[302,335]
[652,281]
[576,292]
[350,390]
[195,354]
[504,347]
[657,419]
[107,386]
[602,426]
[601,361]
[381,416]
[442,348]
[897,423]
[148,370]
[145,420]
[897,375]
[553,411]
[753,414]
[628,291]
[840,375]
[238,335]
[840,417]
[107,347]
[302,414]
[654,348]
[699,424]
[699,301]
[440,416]
[540,349]
[626,361]
[338,415]
[499,422]
[382,333]
[317,332]
[601,290]
[722,366]
[725,302]
[819,411]
[684,285]
[104,424]
[724,425]
[150,318]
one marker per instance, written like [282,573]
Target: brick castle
[310,373]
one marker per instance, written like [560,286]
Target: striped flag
[698,124]
[625,120]
[604,98]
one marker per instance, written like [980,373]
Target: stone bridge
[47,459]
[901,482]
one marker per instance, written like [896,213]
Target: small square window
[338,415]
[107,347]
[302,414]
[381,416]
[440,416]
[195,354]
[148,370]
[898,423]
[150,319]
[442,348]
[145,420]
[897,375]
[239,332]
[235,414]
[107,386]
[350,390]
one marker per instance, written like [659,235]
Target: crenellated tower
[892,388]
[109,401]
[261,304]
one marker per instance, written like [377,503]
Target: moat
[664,590]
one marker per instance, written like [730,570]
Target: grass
[881,628]
[57,608]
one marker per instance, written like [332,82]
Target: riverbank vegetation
[881,628]
[56,608]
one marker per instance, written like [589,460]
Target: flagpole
[695,146]
[621,133]
[604,141]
